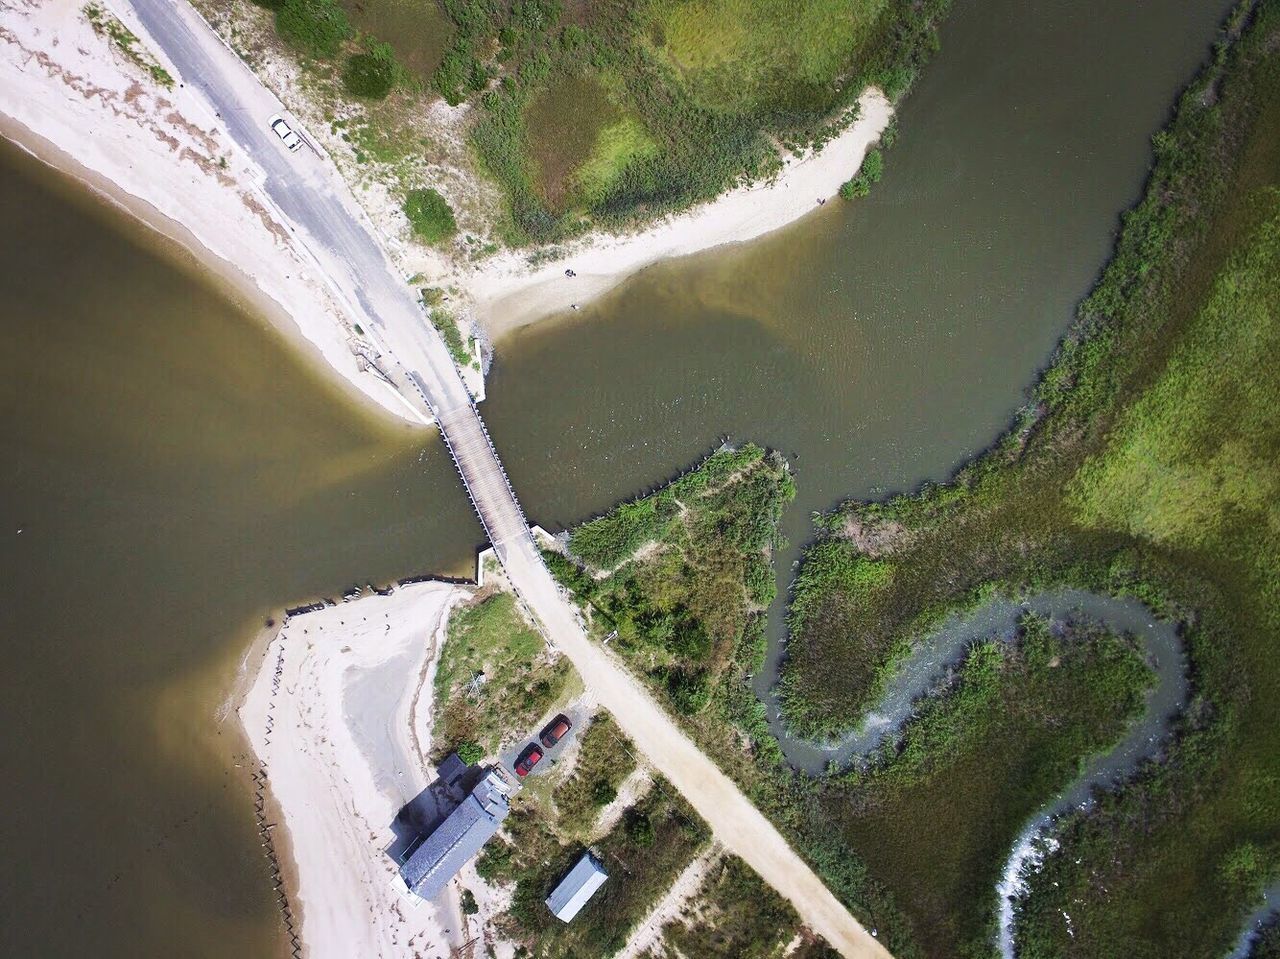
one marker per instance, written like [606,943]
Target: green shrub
[469,905]
[638,828]
[316,27]
[447,327]
[430,215]
[470,753]
[603,792]
[371,74]
[870,172]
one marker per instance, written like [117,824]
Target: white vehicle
[285,133]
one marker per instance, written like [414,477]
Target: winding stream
[946,648]
[1266,912]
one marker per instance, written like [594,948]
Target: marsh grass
[981,755]
[1145,466]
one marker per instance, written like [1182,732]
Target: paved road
[307,190]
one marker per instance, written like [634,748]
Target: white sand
[66,92]
[509,294]
[349,722]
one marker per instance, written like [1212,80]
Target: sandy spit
[508,293]
[338,713]
[68,97]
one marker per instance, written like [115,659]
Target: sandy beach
[70,98]
[164,156]
[339,714]
[508,293]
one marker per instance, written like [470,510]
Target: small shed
[581,883]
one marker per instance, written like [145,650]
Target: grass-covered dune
[1146,465]
[609,111]
[496,678]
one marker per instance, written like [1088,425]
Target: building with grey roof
[581,883]
[437,857]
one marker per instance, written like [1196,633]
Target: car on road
[528,759]
[555,730]
[286,133]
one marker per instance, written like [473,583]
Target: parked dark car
[528,759]
[555,730]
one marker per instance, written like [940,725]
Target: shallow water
[881,343]
[946,648]
[170,472]
[1266,912]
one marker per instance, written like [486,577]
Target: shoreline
[170,239]
[335,706]
[148,170]
[508,294]
[159,158]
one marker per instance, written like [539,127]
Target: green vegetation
[610,112]
[604,761]
[870,172]
[126,41]
[686,572]
[417,31]
[735,914]
[447,327]
[692,578]
[469,905]
[1267,945]
[314,27]
[754,56]
[430,215]
[371,74]
[644,853]
[495,676]
[1144,466]
[607,112]
[982,754]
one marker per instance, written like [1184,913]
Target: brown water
[881,343]
[175,472]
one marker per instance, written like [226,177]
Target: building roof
[452,769]
[440,855]
[577,887]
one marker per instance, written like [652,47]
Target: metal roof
[440,855]
[577,887]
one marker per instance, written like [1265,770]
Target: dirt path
[682,890]
[738,825]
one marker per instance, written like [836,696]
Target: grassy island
[679,581]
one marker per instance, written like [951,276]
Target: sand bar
[71,99]
[508,293]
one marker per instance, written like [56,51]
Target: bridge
[329,228]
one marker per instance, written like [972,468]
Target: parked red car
[555,730]
[528,759]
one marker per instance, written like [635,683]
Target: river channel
[171,470]
[877,345]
